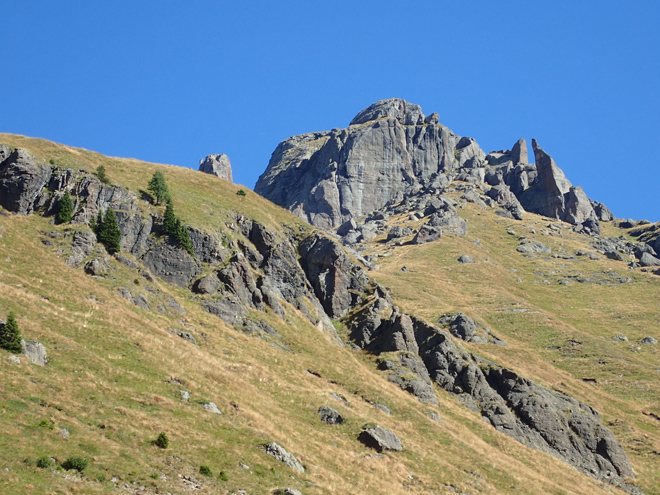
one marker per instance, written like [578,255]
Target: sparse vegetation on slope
[118,370]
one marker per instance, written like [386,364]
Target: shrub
[154,476]
[51,161]
[10,335]
[223,476]
[65,213]
[44,462]
[205,470]
[100,173]
[158,187]
[77,463]
[241,192]
[162,441]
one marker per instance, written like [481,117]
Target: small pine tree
[108,232]
[162,441]
[66,209]
[158,187]
[170,221]
[10,335]
[101,174]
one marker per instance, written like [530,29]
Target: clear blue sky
[171,82]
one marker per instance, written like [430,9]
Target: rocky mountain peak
[406,113]
[392,152]
[218,165]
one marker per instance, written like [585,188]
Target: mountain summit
[392,151]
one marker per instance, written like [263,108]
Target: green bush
[241,192]
[65,214]
[44,462]
[10,335]
[162,441]
[223,476]
[77,463]
[205,470]
[154,476]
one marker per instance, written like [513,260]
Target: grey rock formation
[386,154]
[465,259]
[332,274]
[380,439]
[330,416]
[35,352]
[171,263]
[218,165]
[22,181]
[282,455]
[603,213]
[551,194]
[542,418]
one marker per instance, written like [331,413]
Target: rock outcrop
[391,152]
[535,415]
[218,165]
[387,153]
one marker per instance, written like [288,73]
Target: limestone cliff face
[392,151]
[385,154]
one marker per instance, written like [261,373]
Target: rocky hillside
[398,354]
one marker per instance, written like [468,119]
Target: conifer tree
[66,209]
[158,187]
[108,232]
[100,173]
[10,335]
[169,222]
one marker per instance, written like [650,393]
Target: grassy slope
[111,384]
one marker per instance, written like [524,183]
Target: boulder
[211,407]
[397,232]
[330,416]
[603,213]
[465,259]
[171,263]
[218,165]
[649,340]
[427,234]
[281,454]
[96,268]
[35,352]
[207,285]
[380,439]
[647,259]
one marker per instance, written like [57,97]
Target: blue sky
[171,82]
